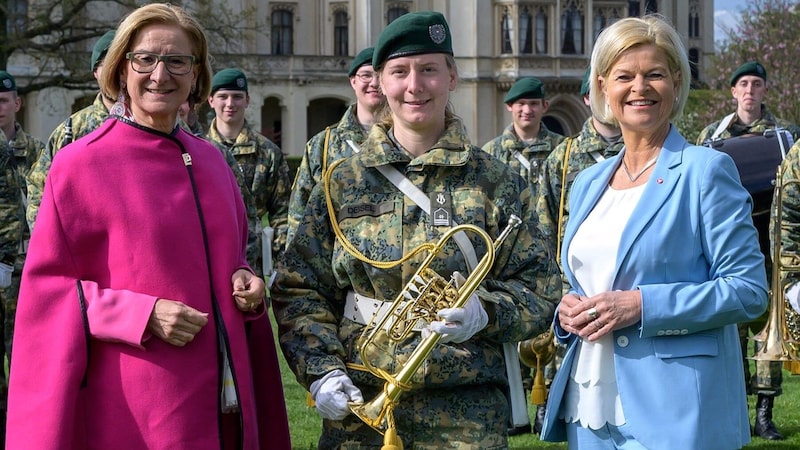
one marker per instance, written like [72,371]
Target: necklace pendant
[633,178]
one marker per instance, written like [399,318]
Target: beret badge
[437,33]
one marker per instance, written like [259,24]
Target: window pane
[340,35]
[541,32]
[282,33]
[525,32]
[506,28]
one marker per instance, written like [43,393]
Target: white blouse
[592,397]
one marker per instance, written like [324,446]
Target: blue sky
[726,13]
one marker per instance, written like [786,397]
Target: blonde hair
[629,33]
[156,14]
[384,114]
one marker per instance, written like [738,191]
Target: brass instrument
[423,295]
[537,353]
[776,342]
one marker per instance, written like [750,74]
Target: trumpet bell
[372,413]
[539,350]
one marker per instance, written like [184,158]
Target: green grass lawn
[305,424]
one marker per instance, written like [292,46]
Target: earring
[119,109]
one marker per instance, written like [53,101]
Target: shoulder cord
[325,149]
[352,250]
[559,227]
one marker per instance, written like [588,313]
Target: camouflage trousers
[768,376]
[8,309]
[466,417]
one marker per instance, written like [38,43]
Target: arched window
[541,31]
[507,30]
[340,34]
[571,30]
[599,23]
[525,31]
[282,32]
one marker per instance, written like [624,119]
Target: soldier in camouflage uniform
[189,120]
[17,155]
[749,87]
[324,290]
[524,145]
[526,142]
[263,170]
[331,144]
[77,125]
[595,142]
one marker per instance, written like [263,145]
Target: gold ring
[592,313]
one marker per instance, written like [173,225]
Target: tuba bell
[423,295]
[774,342]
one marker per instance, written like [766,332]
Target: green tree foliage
[769,32]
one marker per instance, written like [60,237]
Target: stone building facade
[297,60]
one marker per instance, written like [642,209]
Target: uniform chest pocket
[374,226]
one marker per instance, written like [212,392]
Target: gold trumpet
[776,343]
[423,295]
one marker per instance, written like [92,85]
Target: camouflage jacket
[264,181]
[507,144]
[76,126]
[316,158]
[316,271]
[735,128]
[790,215]
[18,155]
[583,149]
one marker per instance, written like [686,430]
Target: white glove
[793,296]
[459,324]
[332,393]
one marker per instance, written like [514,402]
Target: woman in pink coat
[140,325]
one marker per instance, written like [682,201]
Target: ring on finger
[592,313]
[597,324]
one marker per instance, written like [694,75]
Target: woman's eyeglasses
[146,62]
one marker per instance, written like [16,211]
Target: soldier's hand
[175,323]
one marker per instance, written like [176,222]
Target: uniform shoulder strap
[723,125]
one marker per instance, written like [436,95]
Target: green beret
[749,68]
[7,82]
[414,33]
[363,57]
[585,85]
[229,79]
[101,48]
[528,87]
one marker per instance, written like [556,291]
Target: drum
[757,158]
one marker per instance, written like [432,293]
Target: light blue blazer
[691,249]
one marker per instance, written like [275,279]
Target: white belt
[364,310]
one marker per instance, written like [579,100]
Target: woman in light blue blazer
[662,259]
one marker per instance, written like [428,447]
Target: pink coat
[118,228]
